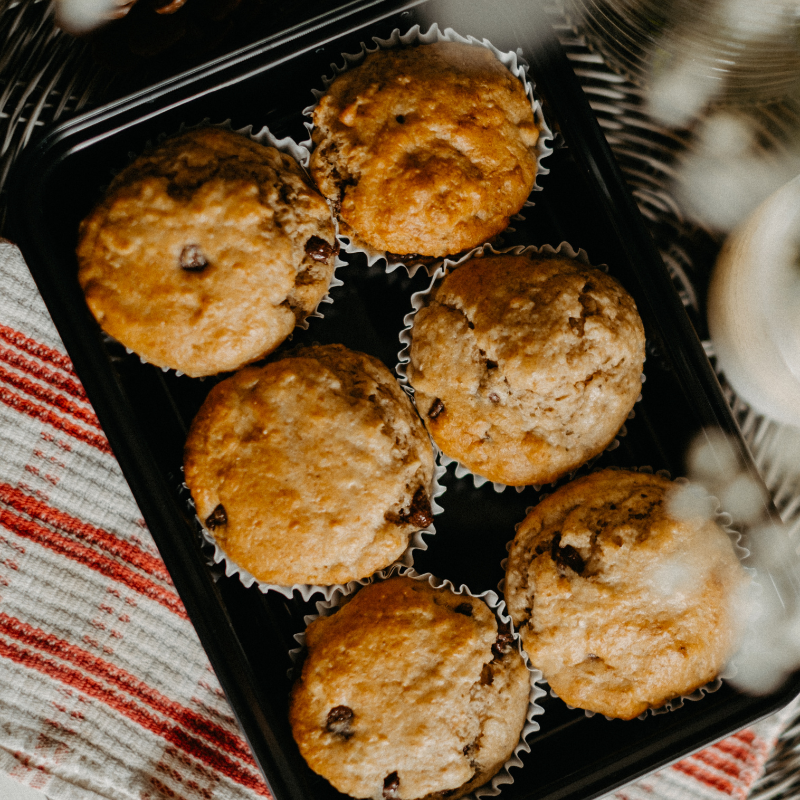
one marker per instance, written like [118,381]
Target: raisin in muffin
[206,252]
[426,150]
[410,692]
[621,605]
[525,367]
[313,469]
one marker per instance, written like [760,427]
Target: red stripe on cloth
[704,776]
[719,762]
[45,415]
[742,753]
[68,385]
[747,736]
[120,679]
[753,741]
[79,680]
[34,348]
[49,396]
[98,562]
[20,501]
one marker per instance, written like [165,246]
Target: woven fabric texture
[105,691]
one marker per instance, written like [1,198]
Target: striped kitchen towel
[105,691]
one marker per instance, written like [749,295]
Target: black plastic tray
[145,412]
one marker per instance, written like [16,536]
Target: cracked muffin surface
[425,150]
[409,692]
[525,367]
[206,251]
[312,469]
[621,605]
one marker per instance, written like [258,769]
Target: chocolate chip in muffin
[588,303]
[420,514]
[293,304]
[344,185]
[469,751]
[465,609]
[502,644]
[340,721]
[193,259]
[566,556]
[436,408]
[391,786]
[319,249]
[576,325]
[412,259]
[217,518]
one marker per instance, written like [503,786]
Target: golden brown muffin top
[313,469]
[525,367]
[206,251]
[408,691]
[622,606]
[428,150]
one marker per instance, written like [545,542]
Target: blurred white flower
[680,89]
[690,501]
[743,498]
[712,458]
[768,608]
[726,177]
[758,20]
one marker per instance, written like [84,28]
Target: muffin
[313,469]
[425,150]
[621,605]
[526,366]
[410,692]
[206,252]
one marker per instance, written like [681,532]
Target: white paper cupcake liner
[498,606]
[308,590]
[288,146]
[724,521]
[420,299]
[511,60]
